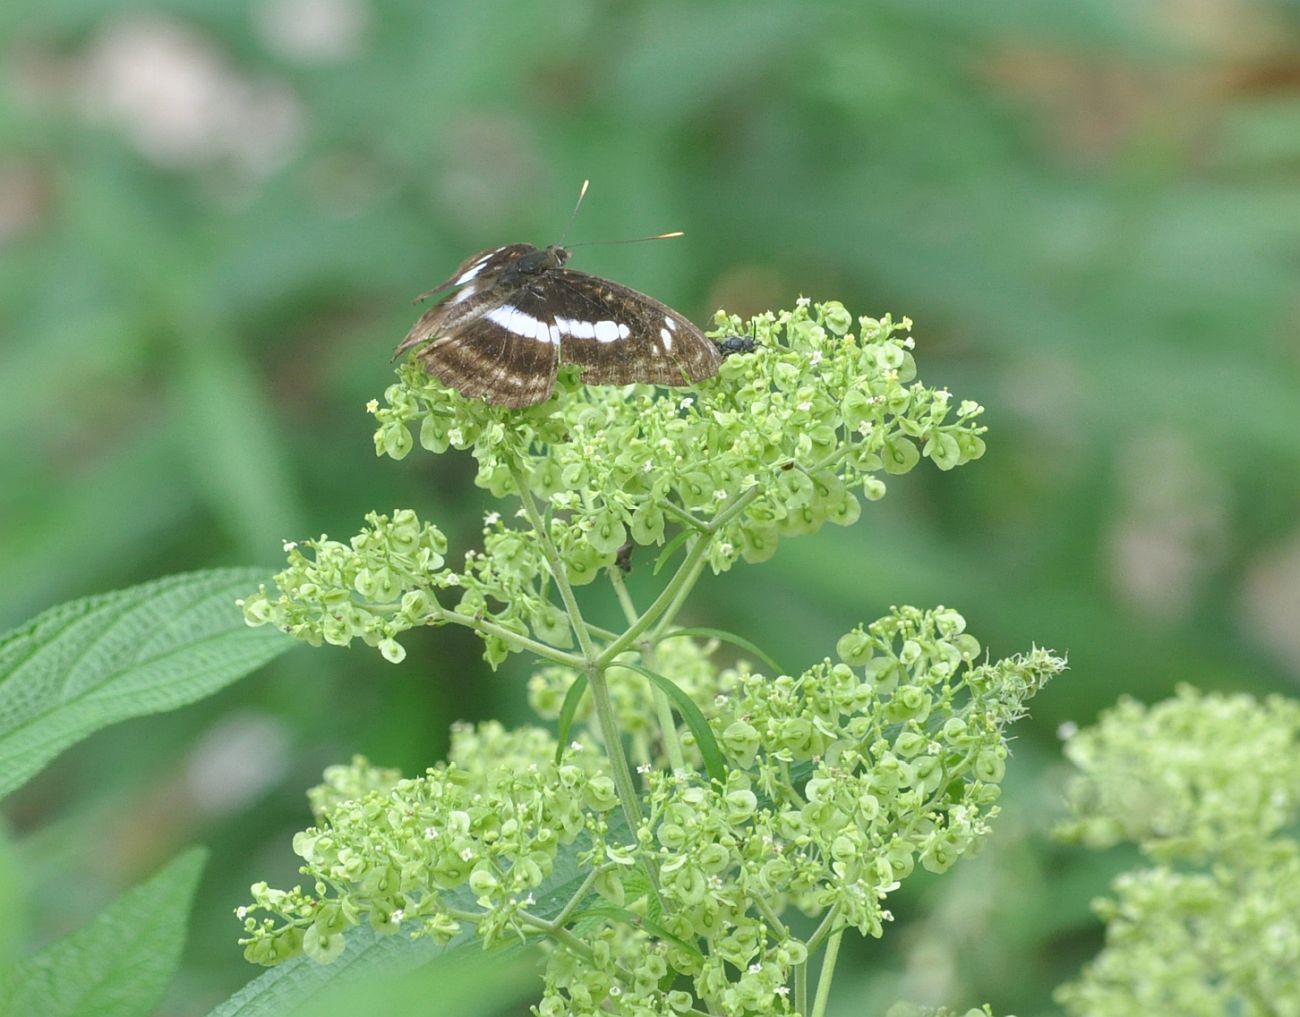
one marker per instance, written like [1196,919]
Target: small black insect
[733,344]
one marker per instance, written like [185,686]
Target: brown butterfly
[517,313]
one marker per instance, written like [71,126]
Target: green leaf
[120,963]
[13,910]
[88,663]
[464,982]
[391,974]
[727,637]
[714,761]
[669,550]
[567,711]
[635,920]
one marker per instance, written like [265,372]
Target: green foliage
[89,663]
[120,964]
[1208,787]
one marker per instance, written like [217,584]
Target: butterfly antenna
[638,240]
[574,214]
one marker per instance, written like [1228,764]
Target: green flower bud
[321,945]
[943,449]
[899,456]
[741,741]
[837,319]
[855,648]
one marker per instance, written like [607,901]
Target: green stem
[682,515]
[828,969]
[666,596]
[773,919]
[801,988]
[692,577]
[824,929]
[579,895]
[620,591]
[613,738]
[493,629]
[558,572]
[663,709]
[600,633]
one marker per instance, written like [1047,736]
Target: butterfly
[516,313]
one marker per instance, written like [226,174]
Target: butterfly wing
[619,336]
[488,340]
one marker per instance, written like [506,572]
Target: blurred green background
[213,214]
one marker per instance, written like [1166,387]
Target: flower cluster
[1194,777]
[795,432]
[1208,786]
[760,794]
[481,831]
[842,779]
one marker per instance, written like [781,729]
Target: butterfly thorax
[534,263]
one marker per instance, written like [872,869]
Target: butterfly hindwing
[619,336]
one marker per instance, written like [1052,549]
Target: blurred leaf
[465,983]
[390,974]
[85,664]
[234,445]
[12,902]
[117,965]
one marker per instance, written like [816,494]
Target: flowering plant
[690,838]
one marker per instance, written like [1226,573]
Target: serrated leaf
[727,637]
[369,954]
[117,965]
[714,761]
[88,663]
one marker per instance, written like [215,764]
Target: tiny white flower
[241,912]
[372,406]
[430,833]
[575,746]
[866,427]
[686,403]
[804,406]
[456,436]
[289,545]
[1067,730]
[755,969]
[643,768]
[396,917]
[782,991]
[909,343]
[492,518]
[815,358]
[466,855]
